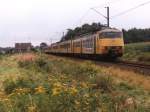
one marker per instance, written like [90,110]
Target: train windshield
[111,35]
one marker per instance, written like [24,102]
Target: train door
[97,44]
[71,46]
[81,45]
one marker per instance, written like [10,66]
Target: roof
[23,45]
[110,30]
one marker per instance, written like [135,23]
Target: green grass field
[39,83]
[139,52]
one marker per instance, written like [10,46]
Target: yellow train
[104,43]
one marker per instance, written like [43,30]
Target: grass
[137,52]
[132,78]
[52,84]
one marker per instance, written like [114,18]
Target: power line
[93,8]
[98,12]
[102,5]
[126,11]
[107,18]
[83,16]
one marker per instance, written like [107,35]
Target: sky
[39,21]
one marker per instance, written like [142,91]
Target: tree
[84,29]
[136,35]
[43,46]
[130,36]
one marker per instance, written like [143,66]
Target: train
[107,42]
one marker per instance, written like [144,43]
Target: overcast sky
[39,21]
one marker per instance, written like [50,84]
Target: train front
[111,43]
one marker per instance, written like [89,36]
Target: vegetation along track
[127,65]
[137,67]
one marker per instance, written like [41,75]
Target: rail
[134,64]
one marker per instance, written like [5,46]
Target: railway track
[127,65]
[132,66]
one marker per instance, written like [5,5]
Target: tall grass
[137,52]
[59,85]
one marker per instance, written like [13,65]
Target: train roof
[110,30]
[104,29]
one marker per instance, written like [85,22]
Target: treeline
[84,29]
[130,36]
[136,35]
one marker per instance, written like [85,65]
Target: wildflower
[86,102]
[31,109]
[6,99]
[84,85]
[73,91]
[77,102]
[21,90]
[57,85]
[92,85]
[40,89]
[11,94]
[18,90]
[86,95]
[63,77]
[26,90]
[56,91]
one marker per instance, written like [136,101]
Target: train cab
[110,42]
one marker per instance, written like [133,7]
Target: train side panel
[88,45]
[77,48]
[107,42]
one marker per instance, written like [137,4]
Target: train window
[88,43]
[77,44]
[100,35]
[110,35]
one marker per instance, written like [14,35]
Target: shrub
[103,82]
[43,65]
[2,107]
[24,63]
[10,85]
[38,65]
[81,72]
[144,58]
[123,86]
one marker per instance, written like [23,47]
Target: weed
[57,84]
[104,82]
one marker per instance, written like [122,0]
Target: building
[23,47]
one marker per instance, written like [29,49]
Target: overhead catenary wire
[131,9]
[124,12]
[119,14]
[83,16]
[94,9]
[98,12]
[102,5]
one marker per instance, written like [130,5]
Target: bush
[10,85]
[125,87]
[25,63]
[144,58]
[39,65]
[43,65]
[104,83]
